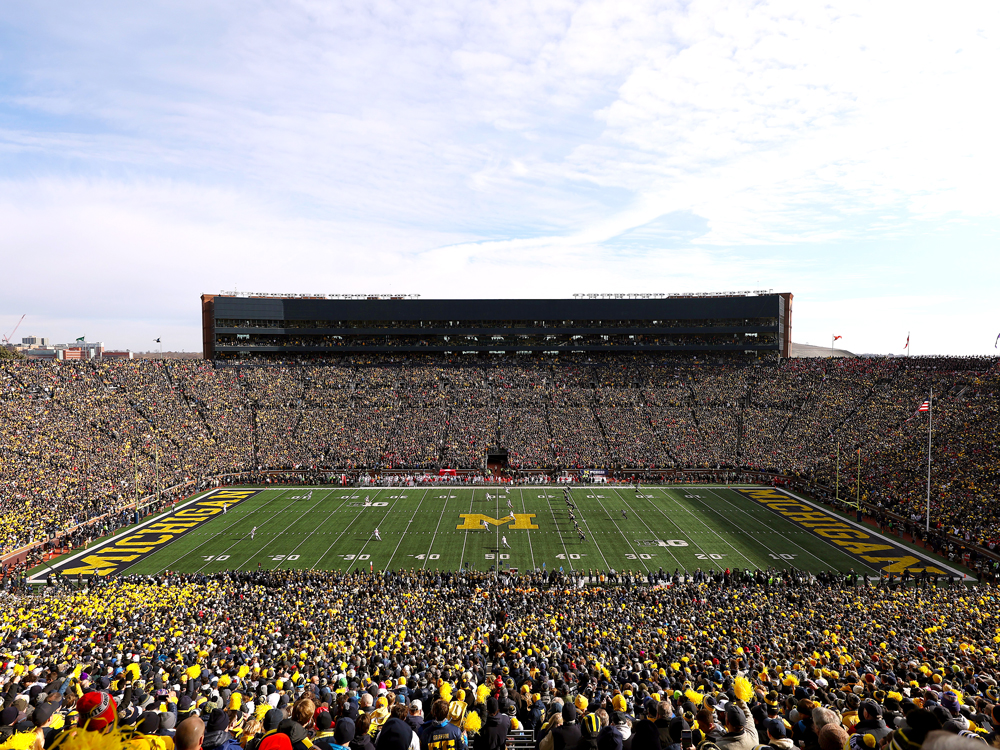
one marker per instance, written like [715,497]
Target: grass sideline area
[690,527]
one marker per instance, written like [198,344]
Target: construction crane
[7,338]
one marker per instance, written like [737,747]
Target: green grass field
[330,529]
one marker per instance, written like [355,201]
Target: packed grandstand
[428,660]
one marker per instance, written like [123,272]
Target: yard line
[525,507]
[221,531]
[344,531]
[280,533]
[694,515]
[428,553]
[590,533]
[556,524]
[672,521]
[329,516]
[403,535]
[783,536]
[634,552]
[465,541]
[388,510]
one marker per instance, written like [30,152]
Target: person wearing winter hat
[168,721]
[296,734]
[493,735]
[741,734]
[97,712]
[217,736]
[871,721]
[395,735]
[323,723]
[276,741]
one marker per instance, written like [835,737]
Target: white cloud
[499,149]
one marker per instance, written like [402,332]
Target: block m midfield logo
[473,521]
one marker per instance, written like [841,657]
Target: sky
[842,151]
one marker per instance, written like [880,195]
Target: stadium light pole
[858,495]
[837,484]
[930,422]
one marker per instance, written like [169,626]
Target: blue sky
[844,151]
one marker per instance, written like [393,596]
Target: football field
[612,527]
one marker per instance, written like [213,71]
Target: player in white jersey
[253,531]
[510,505]
[377,535]
[486,525]
[503,541]
[224,506]
[368,501]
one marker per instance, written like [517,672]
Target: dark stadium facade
[274,327]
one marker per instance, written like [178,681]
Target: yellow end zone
[872,549]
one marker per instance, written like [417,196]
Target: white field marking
[111,540]
[431,546]
[350,523]
[634,552]
[388,510]
[784,538]
[276,538]
[680,531]
[693,515]
[525,508]
[329,516]
[591,534]
[465,541]
[877,535]
[556,524]
[403,535]
[222,531]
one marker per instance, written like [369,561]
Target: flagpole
[838,471]
[930,422]
[859,481]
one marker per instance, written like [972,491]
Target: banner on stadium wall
[447,472]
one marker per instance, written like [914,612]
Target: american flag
[925,406]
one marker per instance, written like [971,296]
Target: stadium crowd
[79,439]
[428,660]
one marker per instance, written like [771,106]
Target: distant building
[79,350]
[810,350]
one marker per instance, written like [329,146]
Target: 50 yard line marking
[525,508]
[465,541]
[403,535]
[349,524]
